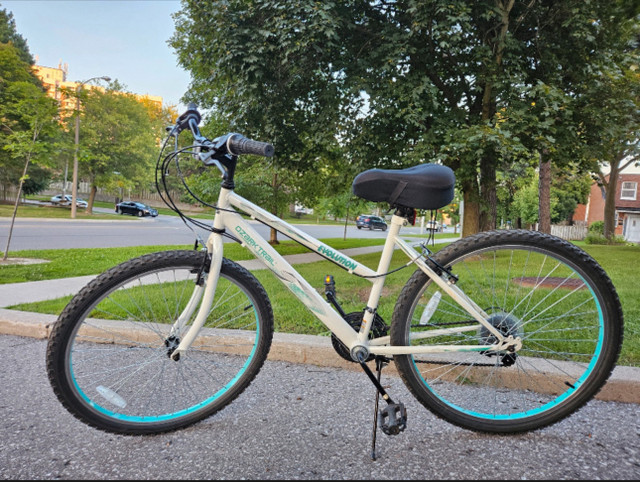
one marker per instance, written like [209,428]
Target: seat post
[378,283]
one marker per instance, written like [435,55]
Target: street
[299,422]
[30,233]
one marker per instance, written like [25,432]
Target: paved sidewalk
[33,291]
[623,385]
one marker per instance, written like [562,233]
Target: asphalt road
[299,422]
[29,233]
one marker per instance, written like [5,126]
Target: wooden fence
[577,232]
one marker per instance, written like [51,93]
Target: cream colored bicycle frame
[236,225]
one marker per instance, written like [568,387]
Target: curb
[622,386]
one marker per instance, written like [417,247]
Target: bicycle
[501,332]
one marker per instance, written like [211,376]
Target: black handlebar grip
[238,144]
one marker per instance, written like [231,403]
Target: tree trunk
[486,218]
[488,194]
[15,207]
[92,198]
[471,215]
[544,192]
[610,201]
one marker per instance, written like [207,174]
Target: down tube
[289,277]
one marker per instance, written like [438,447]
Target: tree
[398,83]
[38,180]
[12,70]
[264,69]
[525,203]
[611,123]
[117,138]
[9,35]
[446,79]
[567,188]
[29,129]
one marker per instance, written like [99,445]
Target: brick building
[627,206]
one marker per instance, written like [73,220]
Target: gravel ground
[299,422]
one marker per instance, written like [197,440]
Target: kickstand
[380,363]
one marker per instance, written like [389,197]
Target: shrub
[597,227]
[597,238]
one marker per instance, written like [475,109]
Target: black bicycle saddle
[426,186]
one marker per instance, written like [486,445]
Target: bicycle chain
[464,364]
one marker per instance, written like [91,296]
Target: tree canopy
[15,78]
[118,138]
[9,35]
[475,85]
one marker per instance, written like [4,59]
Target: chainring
[379,328]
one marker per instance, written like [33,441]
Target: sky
[122,39]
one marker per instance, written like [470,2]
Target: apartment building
[55,81]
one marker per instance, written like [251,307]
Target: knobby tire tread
[129,269]
[523,237]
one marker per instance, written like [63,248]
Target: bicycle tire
[108,353]
[547,291]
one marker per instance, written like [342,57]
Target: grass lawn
[66,263]
[620,262]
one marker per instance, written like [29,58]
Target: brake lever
[208,160]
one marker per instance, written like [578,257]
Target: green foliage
[479,85]
[525,203]
[255,70]
[15,73]
[37,181]
[598,238]
[30,120]
[118,139]
[597,227]
[9,35]
[28,116]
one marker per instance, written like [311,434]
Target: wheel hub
[172,343]
[507,325]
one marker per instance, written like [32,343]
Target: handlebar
[238,144]
[232,143]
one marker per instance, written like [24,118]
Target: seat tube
[376,290]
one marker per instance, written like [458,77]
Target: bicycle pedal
[393,418]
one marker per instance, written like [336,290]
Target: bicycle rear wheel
[108,357]
[548,292]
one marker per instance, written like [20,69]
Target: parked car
[371,222]
[433,226]
[67,199]
[135,209]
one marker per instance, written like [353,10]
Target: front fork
[205,293]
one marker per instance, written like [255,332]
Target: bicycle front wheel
[546,291]
[108,357]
